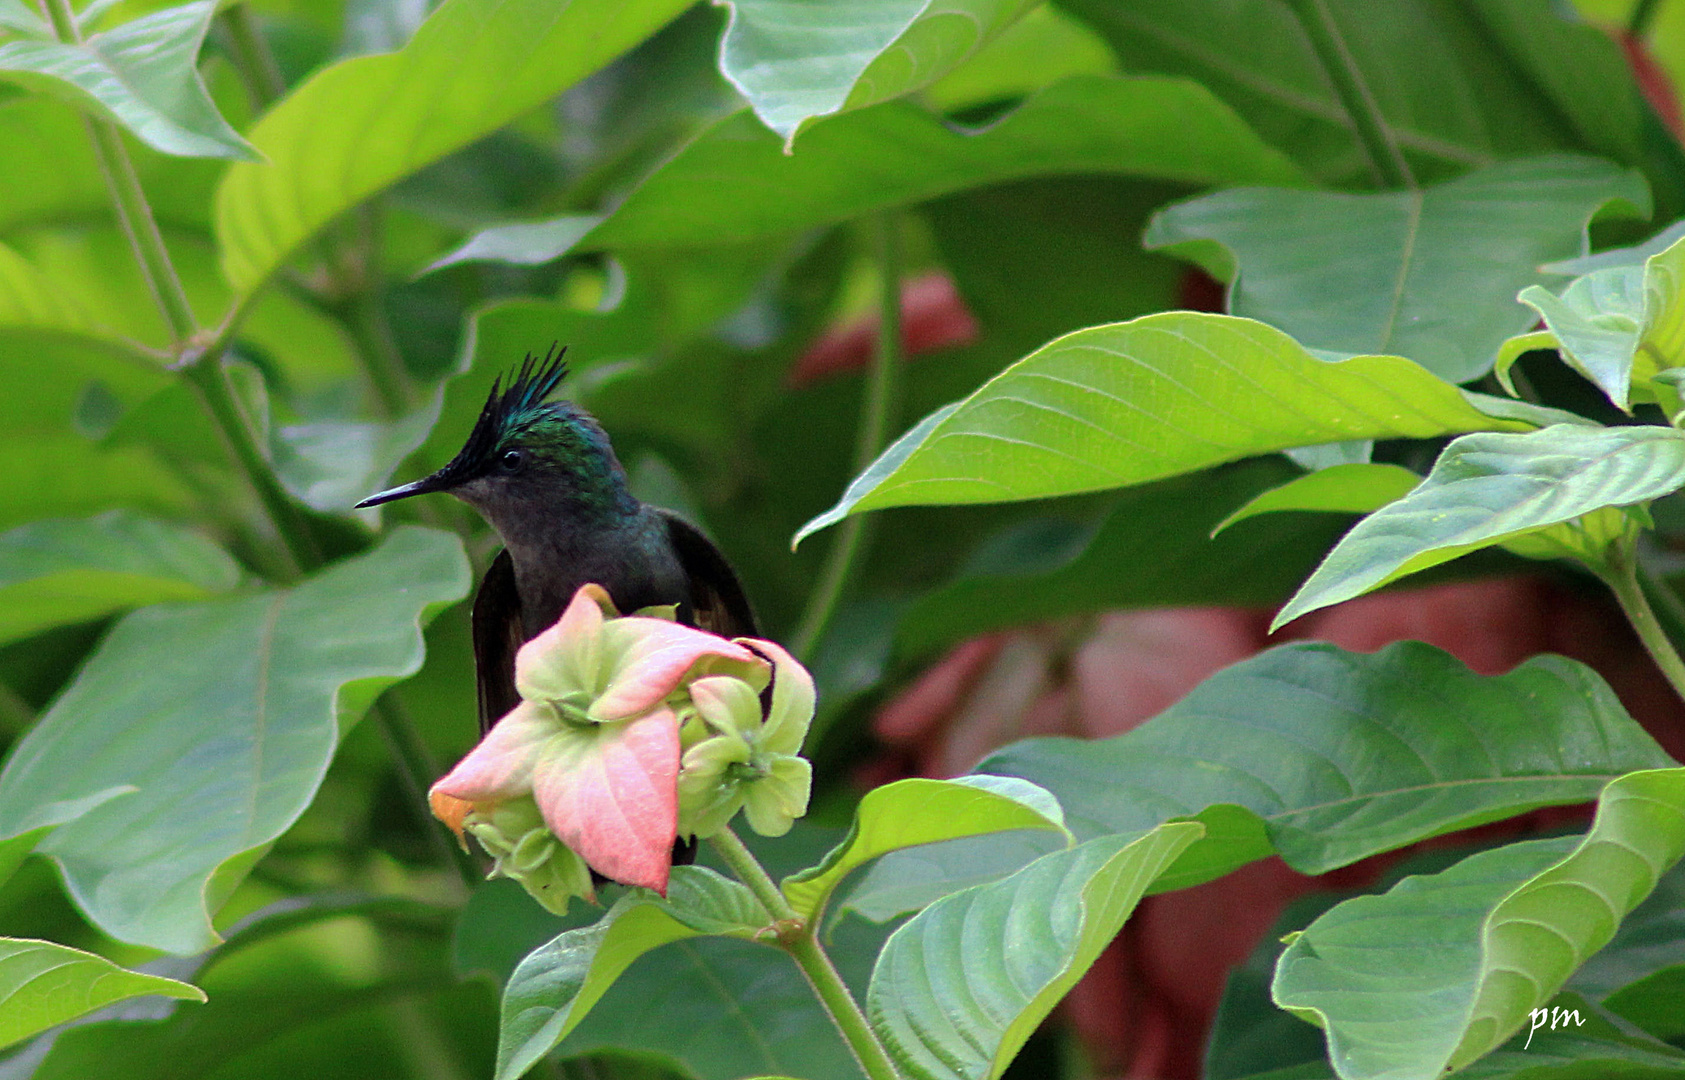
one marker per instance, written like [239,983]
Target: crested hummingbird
[543,474]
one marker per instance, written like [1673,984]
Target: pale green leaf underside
[1442,968]
[1429,274]
[43,984]
[57,572]
[912,812]
[1327,757]
[1489,487]
[1354,488]
[142,74]
[959,988]
[795,61]
[1161,395]
[554,988]
[223,715]
[734,181]
[362,124]
[521,243]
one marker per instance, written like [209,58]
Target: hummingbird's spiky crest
[510,413]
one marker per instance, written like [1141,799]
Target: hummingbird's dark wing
[718,603]
[497,637]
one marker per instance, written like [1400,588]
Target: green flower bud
[523,848]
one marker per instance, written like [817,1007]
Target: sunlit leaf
[143,74]
[912,812]
[1491,487]
[958,989]
[362,124]
[525,243]
[1356,488]
[1444,967]
[63,571]
[1430,274]
[223,715]
[796,61]
[1160,395]
[43,984]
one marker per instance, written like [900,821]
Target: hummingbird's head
[528,456]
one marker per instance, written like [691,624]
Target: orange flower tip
[450,810]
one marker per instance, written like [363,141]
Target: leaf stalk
[803,946]
[1622,576]
[877,413]
[1353,91]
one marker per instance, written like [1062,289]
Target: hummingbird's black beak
[404,491]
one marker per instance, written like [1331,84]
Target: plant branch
[1643,14]
[803,946]
[415,765]
[251,57]
[877,413]
[1353,92]
[1622,576]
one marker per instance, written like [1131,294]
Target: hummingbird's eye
[512,460]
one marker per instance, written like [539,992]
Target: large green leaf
[1491,487]
[1578,1040]
[1430,274]
[65,475]
[1157,396]
[1442,968]
[64,571]
[557,984]
[331,465]
[143,74]
[1483,82]
[797,61]
[223,716]
[362,124]
[43,984]
[958,989]
[734,182]
[908,813]
[1326,757]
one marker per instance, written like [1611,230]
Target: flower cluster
[631,732]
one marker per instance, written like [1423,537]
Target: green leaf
[43,985]
[363,124]
[558,983]
[331,465]
[1355,488]
[734,182]
[1042,47]
[1578,1040]
[1442,968]
[1491,487]
[912,812]
[958,989]
[223,716]
[1157,396]
[1611,258]
[1326,757]
[795,61]
[521,243]
[64,571]
[64,475]
[909,880]
[142,74]
[1619,326]
[1430,274]
[1483,82]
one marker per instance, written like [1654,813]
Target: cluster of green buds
[631,732]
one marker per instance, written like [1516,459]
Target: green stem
[1353,92]
[206,374]
[749,871]
[803,946]
[1643,13]
[251,57]
[877,413]
[1622,576]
